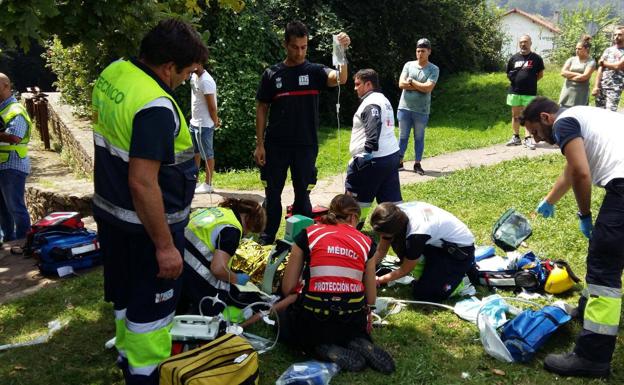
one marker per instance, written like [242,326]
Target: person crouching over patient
[212,237]
[330,316]
[418,228]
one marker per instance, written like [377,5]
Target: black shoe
[569,364]
[376,357]
[401,167]
[345,358]
[418,169]
[266,239]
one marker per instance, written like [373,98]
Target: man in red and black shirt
[288,98]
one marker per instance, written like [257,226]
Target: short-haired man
[15,127]
[290,91]
[591,139]
[204,122]
[417,80]
[524,69]
[610,75]
[373,170]
[144,179]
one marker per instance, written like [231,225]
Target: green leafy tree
[580,21]
[90,22]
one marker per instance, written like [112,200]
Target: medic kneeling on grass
[329,317]
[590,138]
[416,229]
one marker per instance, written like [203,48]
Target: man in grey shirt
[417,80]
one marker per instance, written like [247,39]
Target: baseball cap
[423,43]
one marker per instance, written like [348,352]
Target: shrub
[241,47]
[580,21]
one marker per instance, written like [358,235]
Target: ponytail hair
[254,212]
[586,41]
[388,218]
[340,208]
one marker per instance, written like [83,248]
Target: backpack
[77,249]
[227,360]
[510,230]
[62,221]
[530,330]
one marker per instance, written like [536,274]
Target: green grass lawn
[468,111]
[430,345]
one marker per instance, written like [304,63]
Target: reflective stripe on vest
[202,230]
[205,224]
[122,90]
[132,90]
[336,271]
[131,216]
[337,259]
[204,271]
[8,113]
[603,308]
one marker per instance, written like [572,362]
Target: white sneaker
[204,188]
[514,141]
[529,143]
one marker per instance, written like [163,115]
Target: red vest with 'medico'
[338,255]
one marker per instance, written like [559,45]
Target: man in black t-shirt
[524,69]
[288,97]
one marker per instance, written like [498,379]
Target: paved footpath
[19,275]
[435,167]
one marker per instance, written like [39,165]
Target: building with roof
[517,22]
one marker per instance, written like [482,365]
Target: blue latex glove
[585,225]
[242,278]
[546,209]
[367,156]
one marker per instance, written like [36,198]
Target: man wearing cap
[417,80]
[590,138]
[524,69]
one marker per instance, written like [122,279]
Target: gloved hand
[242,278]
[546,209]
[367,156]
[585,224]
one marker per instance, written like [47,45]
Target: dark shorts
[377,178]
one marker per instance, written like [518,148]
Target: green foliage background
[578,22]
[85,36]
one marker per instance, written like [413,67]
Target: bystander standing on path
[204,122]
[610,75]
[373,170]
[577,71]
[286,138]
[524,70]
[15,128]
[417,80]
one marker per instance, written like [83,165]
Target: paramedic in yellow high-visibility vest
[15,126]
[144,176]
